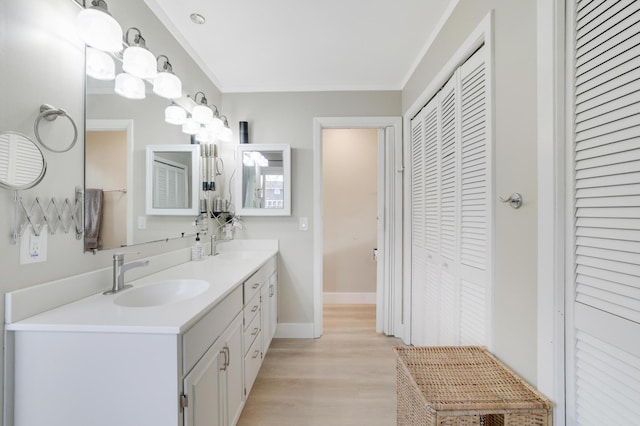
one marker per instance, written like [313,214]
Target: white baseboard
[294,331]
[349,298]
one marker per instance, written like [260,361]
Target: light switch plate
[33,248]
[304,224]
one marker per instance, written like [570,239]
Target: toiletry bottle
[197,251]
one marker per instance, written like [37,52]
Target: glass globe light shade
[167,85]
[173,114]
[225,135]
[139,62]
[203,135]
[97,28]
[202,114]
[215,125]
[191,127]
[129,86]
[100,65]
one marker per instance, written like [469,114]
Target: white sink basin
[161,293]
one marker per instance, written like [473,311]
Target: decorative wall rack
[65,215]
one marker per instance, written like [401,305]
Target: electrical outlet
[304,224]
[33,248]
[142,222]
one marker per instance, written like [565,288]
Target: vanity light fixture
[97,28]
[166,83]
[129,86]
[216,124]
[173,114]
[225,135]
[100,64]
[137,60]
[201,112]
[191,126]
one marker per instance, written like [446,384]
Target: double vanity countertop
[101,313]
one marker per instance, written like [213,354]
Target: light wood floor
[345,378]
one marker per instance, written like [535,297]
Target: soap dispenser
[197,251]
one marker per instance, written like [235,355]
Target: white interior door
[603,279]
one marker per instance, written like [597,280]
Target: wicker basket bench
[464,385]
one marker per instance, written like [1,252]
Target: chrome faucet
[119,268]
[214,245]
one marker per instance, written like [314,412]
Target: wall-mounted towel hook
[515,200]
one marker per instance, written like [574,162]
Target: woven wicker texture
[464,385]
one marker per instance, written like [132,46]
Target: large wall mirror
[118,131]
[263,180]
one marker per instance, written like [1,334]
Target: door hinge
[184,401]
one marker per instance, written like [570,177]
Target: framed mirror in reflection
[172,173]
[263,184]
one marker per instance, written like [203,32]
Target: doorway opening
[386,190]
[349,216]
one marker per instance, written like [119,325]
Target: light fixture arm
[166,66]
[203,101]
[138,40]
[216,113]
[225,121]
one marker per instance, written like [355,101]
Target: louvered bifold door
[424,190]
[603,325]
[475,188]
[448,214]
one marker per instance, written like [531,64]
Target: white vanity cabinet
[89,363]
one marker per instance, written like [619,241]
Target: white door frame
[126,125]
[551,124]
[320,123]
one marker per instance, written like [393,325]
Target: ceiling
[303,45]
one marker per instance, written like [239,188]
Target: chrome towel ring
[50,113]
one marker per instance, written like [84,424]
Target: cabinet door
[234,369]
[266,315]
[203,389]
[273,305]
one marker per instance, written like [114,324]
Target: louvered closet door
[448,306]
[424,230]
[451,250]
[475,220]
[603,321]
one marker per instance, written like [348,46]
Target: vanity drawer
[251,331]
[252,286]
[251,310]
[252,363]
[254,282]
[204,333]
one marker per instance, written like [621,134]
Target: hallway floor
[345,378]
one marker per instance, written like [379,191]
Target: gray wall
[514,325]
[288,118]
[42,61]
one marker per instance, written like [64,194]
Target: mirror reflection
[264,184]
[263,178]
[22,164]
[172,173]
